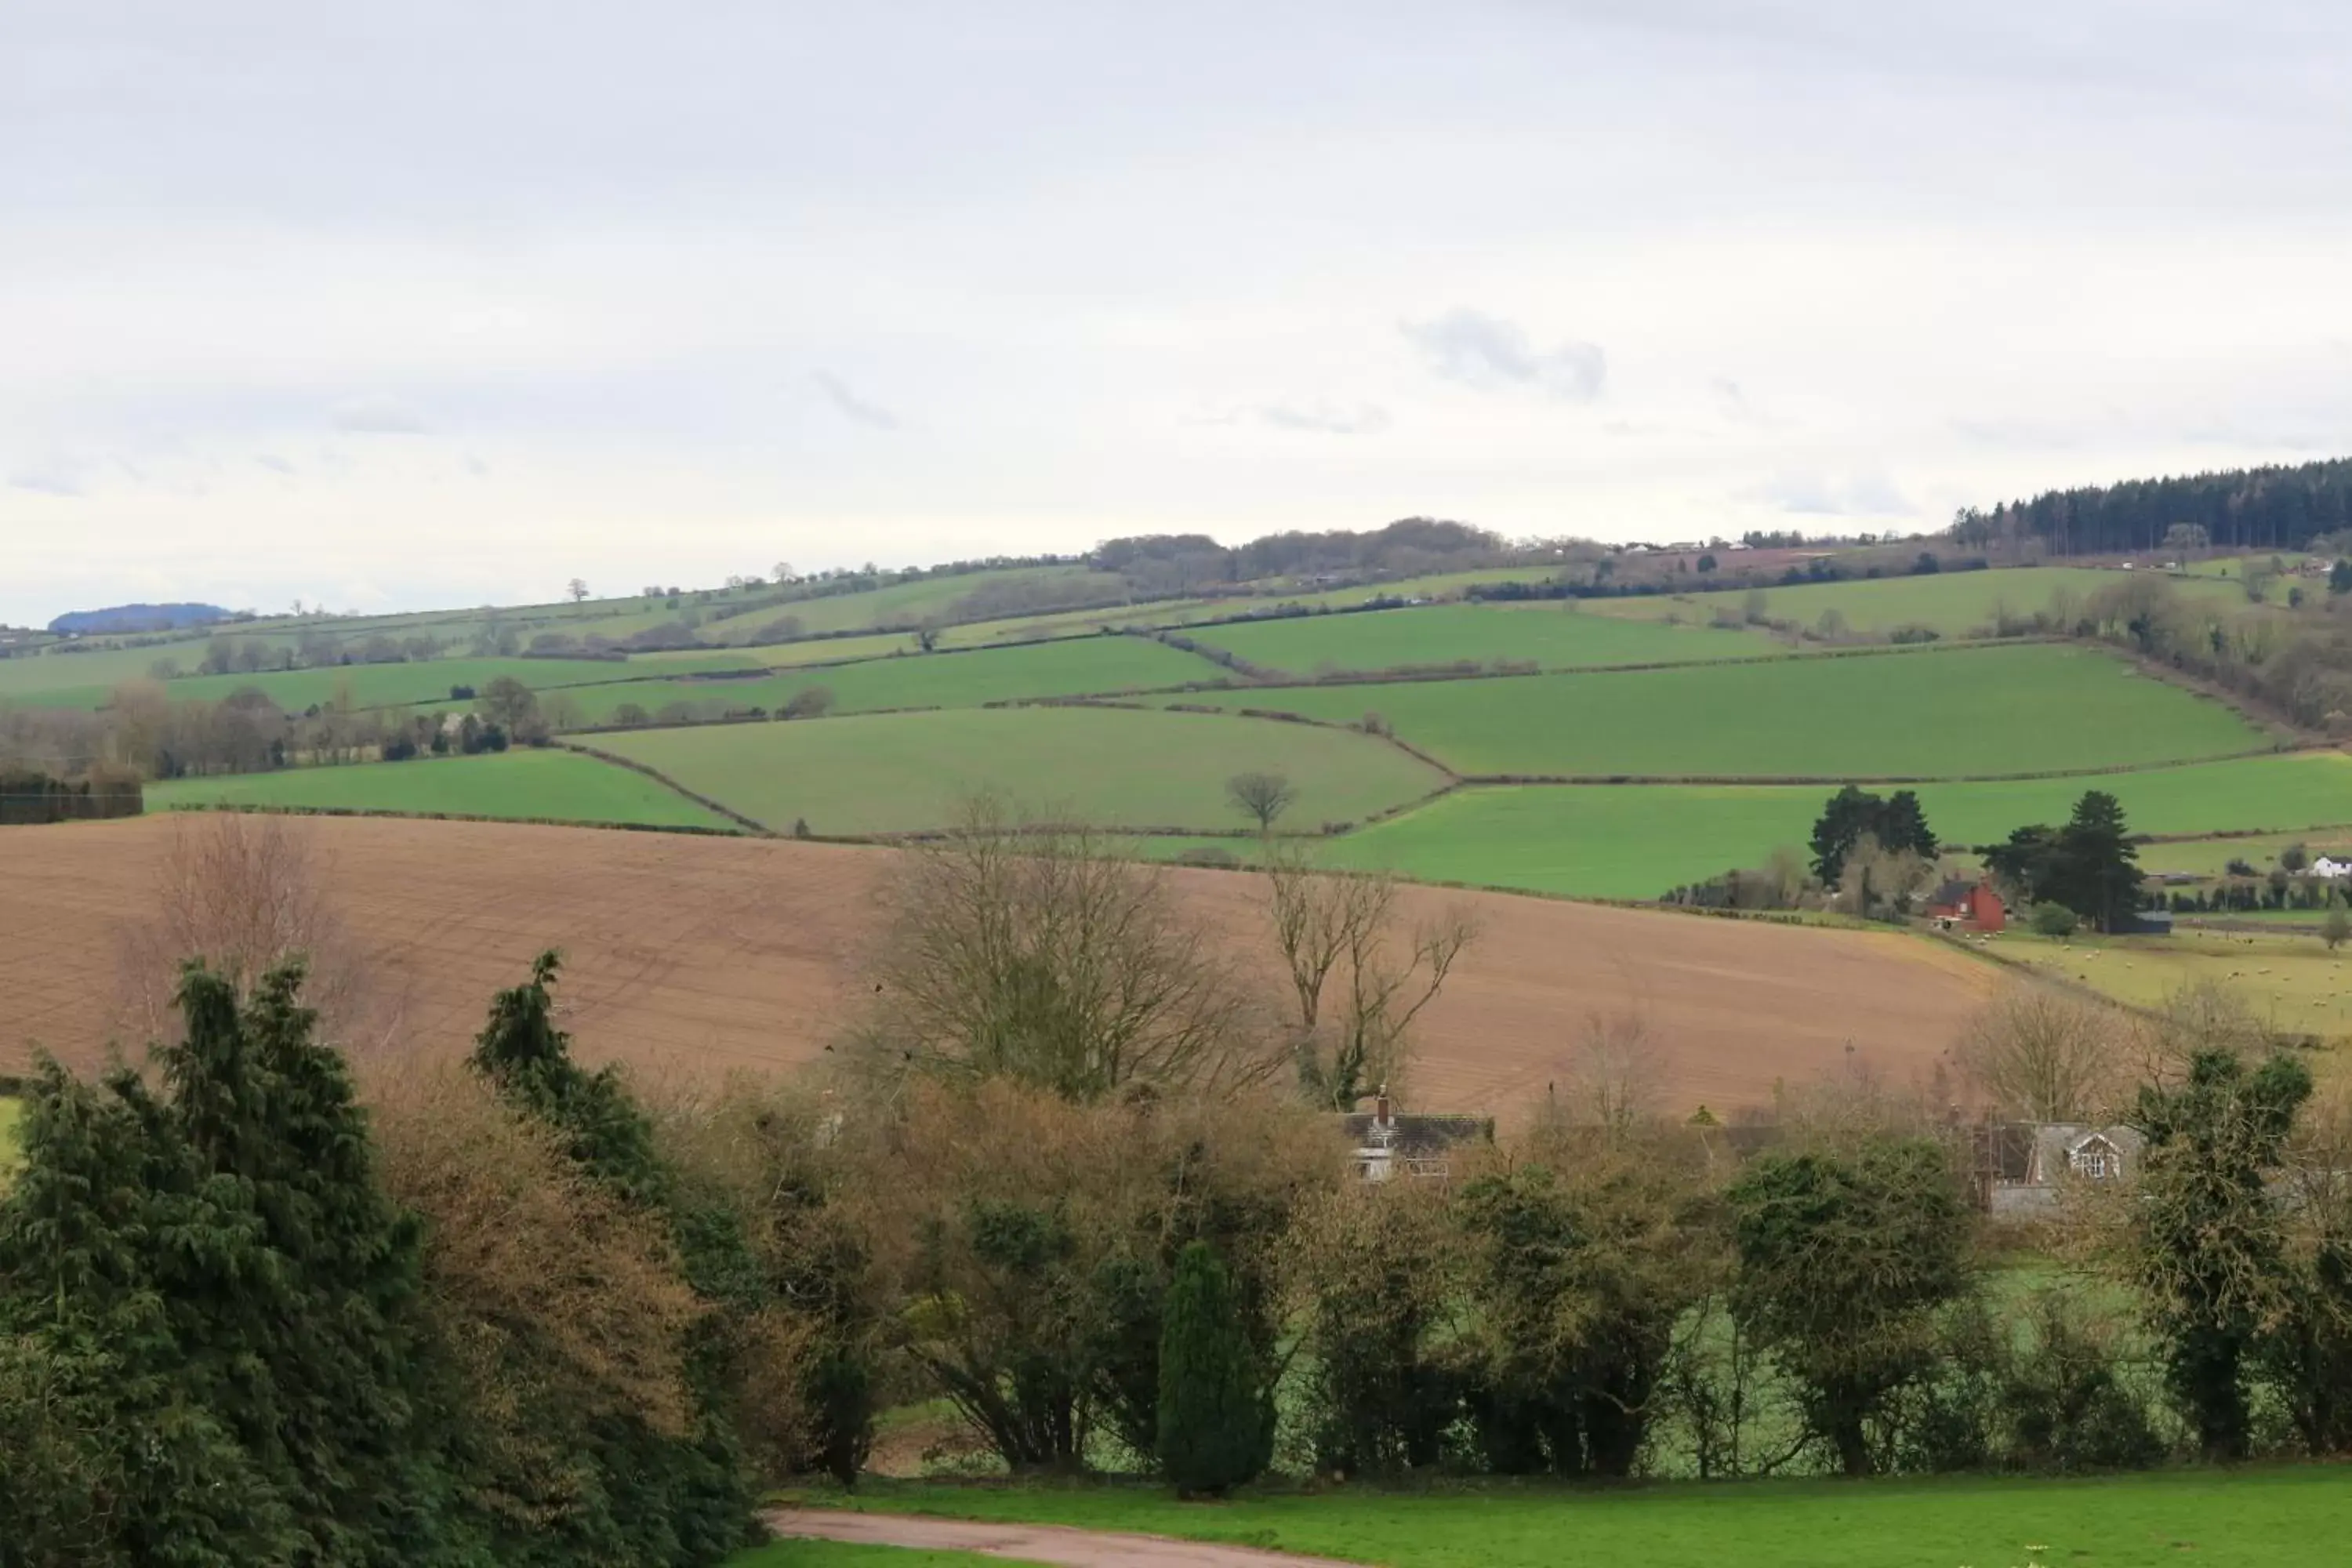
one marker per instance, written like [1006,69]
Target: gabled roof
[1951,891]
[1413,1136]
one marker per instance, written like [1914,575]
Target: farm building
[2022,1165]
[1389,1144]
[1967,905]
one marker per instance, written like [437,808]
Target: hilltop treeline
[1190,563]
[2275,507]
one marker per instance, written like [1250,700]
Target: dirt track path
[1031,1542]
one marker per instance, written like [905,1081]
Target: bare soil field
[693,953]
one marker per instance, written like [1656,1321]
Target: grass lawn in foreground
[565,786]
[1936,714]
[1637,841]
[2269,1517]
[1953,603]
[1071,667]
[897,772]
[1555,636]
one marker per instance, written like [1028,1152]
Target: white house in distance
[2332,869]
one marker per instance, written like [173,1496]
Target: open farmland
[376,685]
[904,604]
[1630,841]
[718,954]
[959,679]
[1435,585]
[1934,714]
[557,785]
[1950,603]
[902,773]
[1555,636]
[2292,982]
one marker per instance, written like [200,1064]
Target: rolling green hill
[1116,767]
[1073,666]
[1951,603]
[559,785]
[1940,713]
[1629,841]
[1555,636]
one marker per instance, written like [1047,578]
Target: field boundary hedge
[634,766]
[250,808]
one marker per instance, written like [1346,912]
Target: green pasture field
[382,685]
[1437,586]
[1637,841]
[2211,856]
[782,654]
[1116,768]
[1073,666]
[1082,623]
[2252,1518]
[902,602]
[562,786]
[2289,977]
[1952,602]
[1555,636]
[85,678]
[1939,713]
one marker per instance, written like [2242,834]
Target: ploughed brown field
[689,952]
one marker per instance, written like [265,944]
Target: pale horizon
[448,304]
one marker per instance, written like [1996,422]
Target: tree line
[2275,507]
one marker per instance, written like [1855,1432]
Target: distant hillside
[2238,509]
[139,618]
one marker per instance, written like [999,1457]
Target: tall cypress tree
[1216,1417]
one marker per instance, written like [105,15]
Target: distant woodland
[2245,508]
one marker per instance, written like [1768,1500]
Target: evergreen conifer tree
[1216,1422]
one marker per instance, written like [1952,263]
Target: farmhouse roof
[2056,1145]
[1415,1137]
[1951,891]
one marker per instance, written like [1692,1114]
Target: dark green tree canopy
[2089,865]
[1897,822]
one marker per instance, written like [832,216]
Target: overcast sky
[446,301]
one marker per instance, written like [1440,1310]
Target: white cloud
[851,406]
[1495,355]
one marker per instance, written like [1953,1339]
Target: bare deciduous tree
[1356,983]
[1615,1075]
[1261,796]
[2034,1052]
[244,893]
[1033,953]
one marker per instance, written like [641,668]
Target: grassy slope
[2211,856]
[563,785]
[12,1110]
[1437,586]
[898,772]
[2289,978]
[1553,636]
[382,685]
[904,601]
[2247,1518]
[1636,841]
[1995,709]
[1953,603]
[1069,668]
[39,678]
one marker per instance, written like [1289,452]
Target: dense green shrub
[1215,1407]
